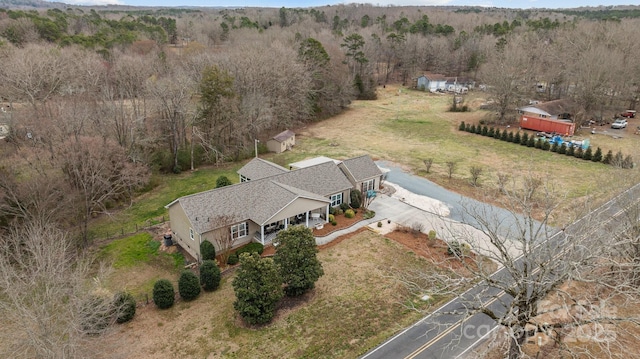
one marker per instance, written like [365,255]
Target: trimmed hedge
[349,213]
[210,275]
[163,294]
[207,251]
[188,285]
[524,139]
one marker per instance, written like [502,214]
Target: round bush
[332,218]
[344,206]
[349,213]
[379,224]
[125,305]
[334,223]
[233,259]
[209,275]
[207,251]
[163,294]
[188,285]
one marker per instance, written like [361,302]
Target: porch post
[326,217]
[286,222]
[262,234]
[306,223]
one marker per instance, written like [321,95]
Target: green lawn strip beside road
[148,208]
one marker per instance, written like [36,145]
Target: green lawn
[148,208]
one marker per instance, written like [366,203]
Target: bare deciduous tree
[557,283]
[52,303]
[101,172]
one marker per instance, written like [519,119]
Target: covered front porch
[309,219]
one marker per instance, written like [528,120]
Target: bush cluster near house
[617,160]
[260,283]
[253,247]
[207,251]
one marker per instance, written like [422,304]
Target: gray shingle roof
[258,168]
[284,135]
[258,200]
[362,168]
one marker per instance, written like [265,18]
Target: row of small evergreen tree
[617,160]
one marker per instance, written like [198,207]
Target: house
[459,84]
[563,109]
[282,141]
[270,198]
[431,82]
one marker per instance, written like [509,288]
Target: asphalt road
[451,331]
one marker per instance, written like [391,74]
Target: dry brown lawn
[355,305]
[405,127]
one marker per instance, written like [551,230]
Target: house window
[243,179]
[368,185]
[239,230]
[336,199]
[191,234]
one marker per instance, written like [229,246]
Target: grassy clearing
[148,208]
[409,126]
[356,304]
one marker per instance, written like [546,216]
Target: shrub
[627,162]
[546,146]
[492,132]
[209,275]
[356,198]
[332,210]
[537,143]
[472,129]
[485,131]
[524,139]
[467,127]
[516,138]
[233,259]
[163,294]
[334,223]
[531,142]
[339,211]
[478,130]
[555,147]
[617,159]
[597,157]
[504,136]
[223,181]
[207,251]
[510,137]
[568,150]
[432,235]
[608,158]
[349,213]
[332,218]
[497,134]
[253,247]
[369,214]
[578,152]
[379,224]
[125,305]
[588,154]
[462,126]
[188,285]
[455,249]
[344,206]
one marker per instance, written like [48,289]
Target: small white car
[619,123]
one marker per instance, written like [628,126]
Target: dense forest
[95,99]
